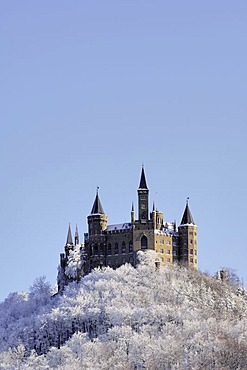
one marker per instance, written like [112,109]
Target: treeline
[129,318]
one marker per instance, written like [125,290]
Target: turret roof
[97,206]
[187,216]
[69,237]
[143,182]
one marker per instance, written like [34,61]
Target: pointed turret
[143,182]
[97,220]
[69,237]
[143,198]
[188,239]
[97,206]
[132,214]
[187,216]
[153,216]
[76,236]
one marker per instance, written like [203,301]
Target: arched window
[144,242]
[116,248]
[101,249]
[96,250]
[130,246]
[109,249]
[123,248]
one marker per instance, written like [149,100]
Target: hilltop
[128,318]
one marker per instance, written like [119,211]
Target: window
[130,247]
[109,249]
[168,260]
[123,248]
[116,260]
[101,249]
[195,252]
[144,242]
[168,251]
[116,248]
[123,259]
[161,250]
[162,241]
[191,260]
[191,241]
[191,251]
[96,250]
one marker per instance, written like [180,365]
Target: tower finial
[97,190]
[187,200]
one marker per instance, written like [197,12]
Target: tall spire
[76,236]
[143,199]
[69,237]
[97,206]
[132,214]
[143,182]
[187,216]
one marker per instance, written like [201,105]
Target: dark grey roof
[69,237]
[97,207]
[143,182]
[76,231]
[187,216]
[76,235]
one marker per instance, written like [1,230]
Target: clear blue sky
[89,91]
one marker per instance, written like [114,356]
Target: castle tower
[62,279]
[69,243]
[132,214]
[97,220]
[143,199]
[153,216]
[77,241]
[188,239]
[96,239]
[143,230]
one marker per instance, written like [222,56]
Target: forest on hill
[128,318]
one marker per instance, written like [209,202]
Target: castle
[114,245]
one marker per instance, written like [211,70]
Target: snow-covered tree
[75,263]
[128,318]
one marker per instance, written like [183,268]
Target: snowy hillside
[142,318]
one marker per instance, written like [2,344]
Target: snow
[118,227]
[144,317]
